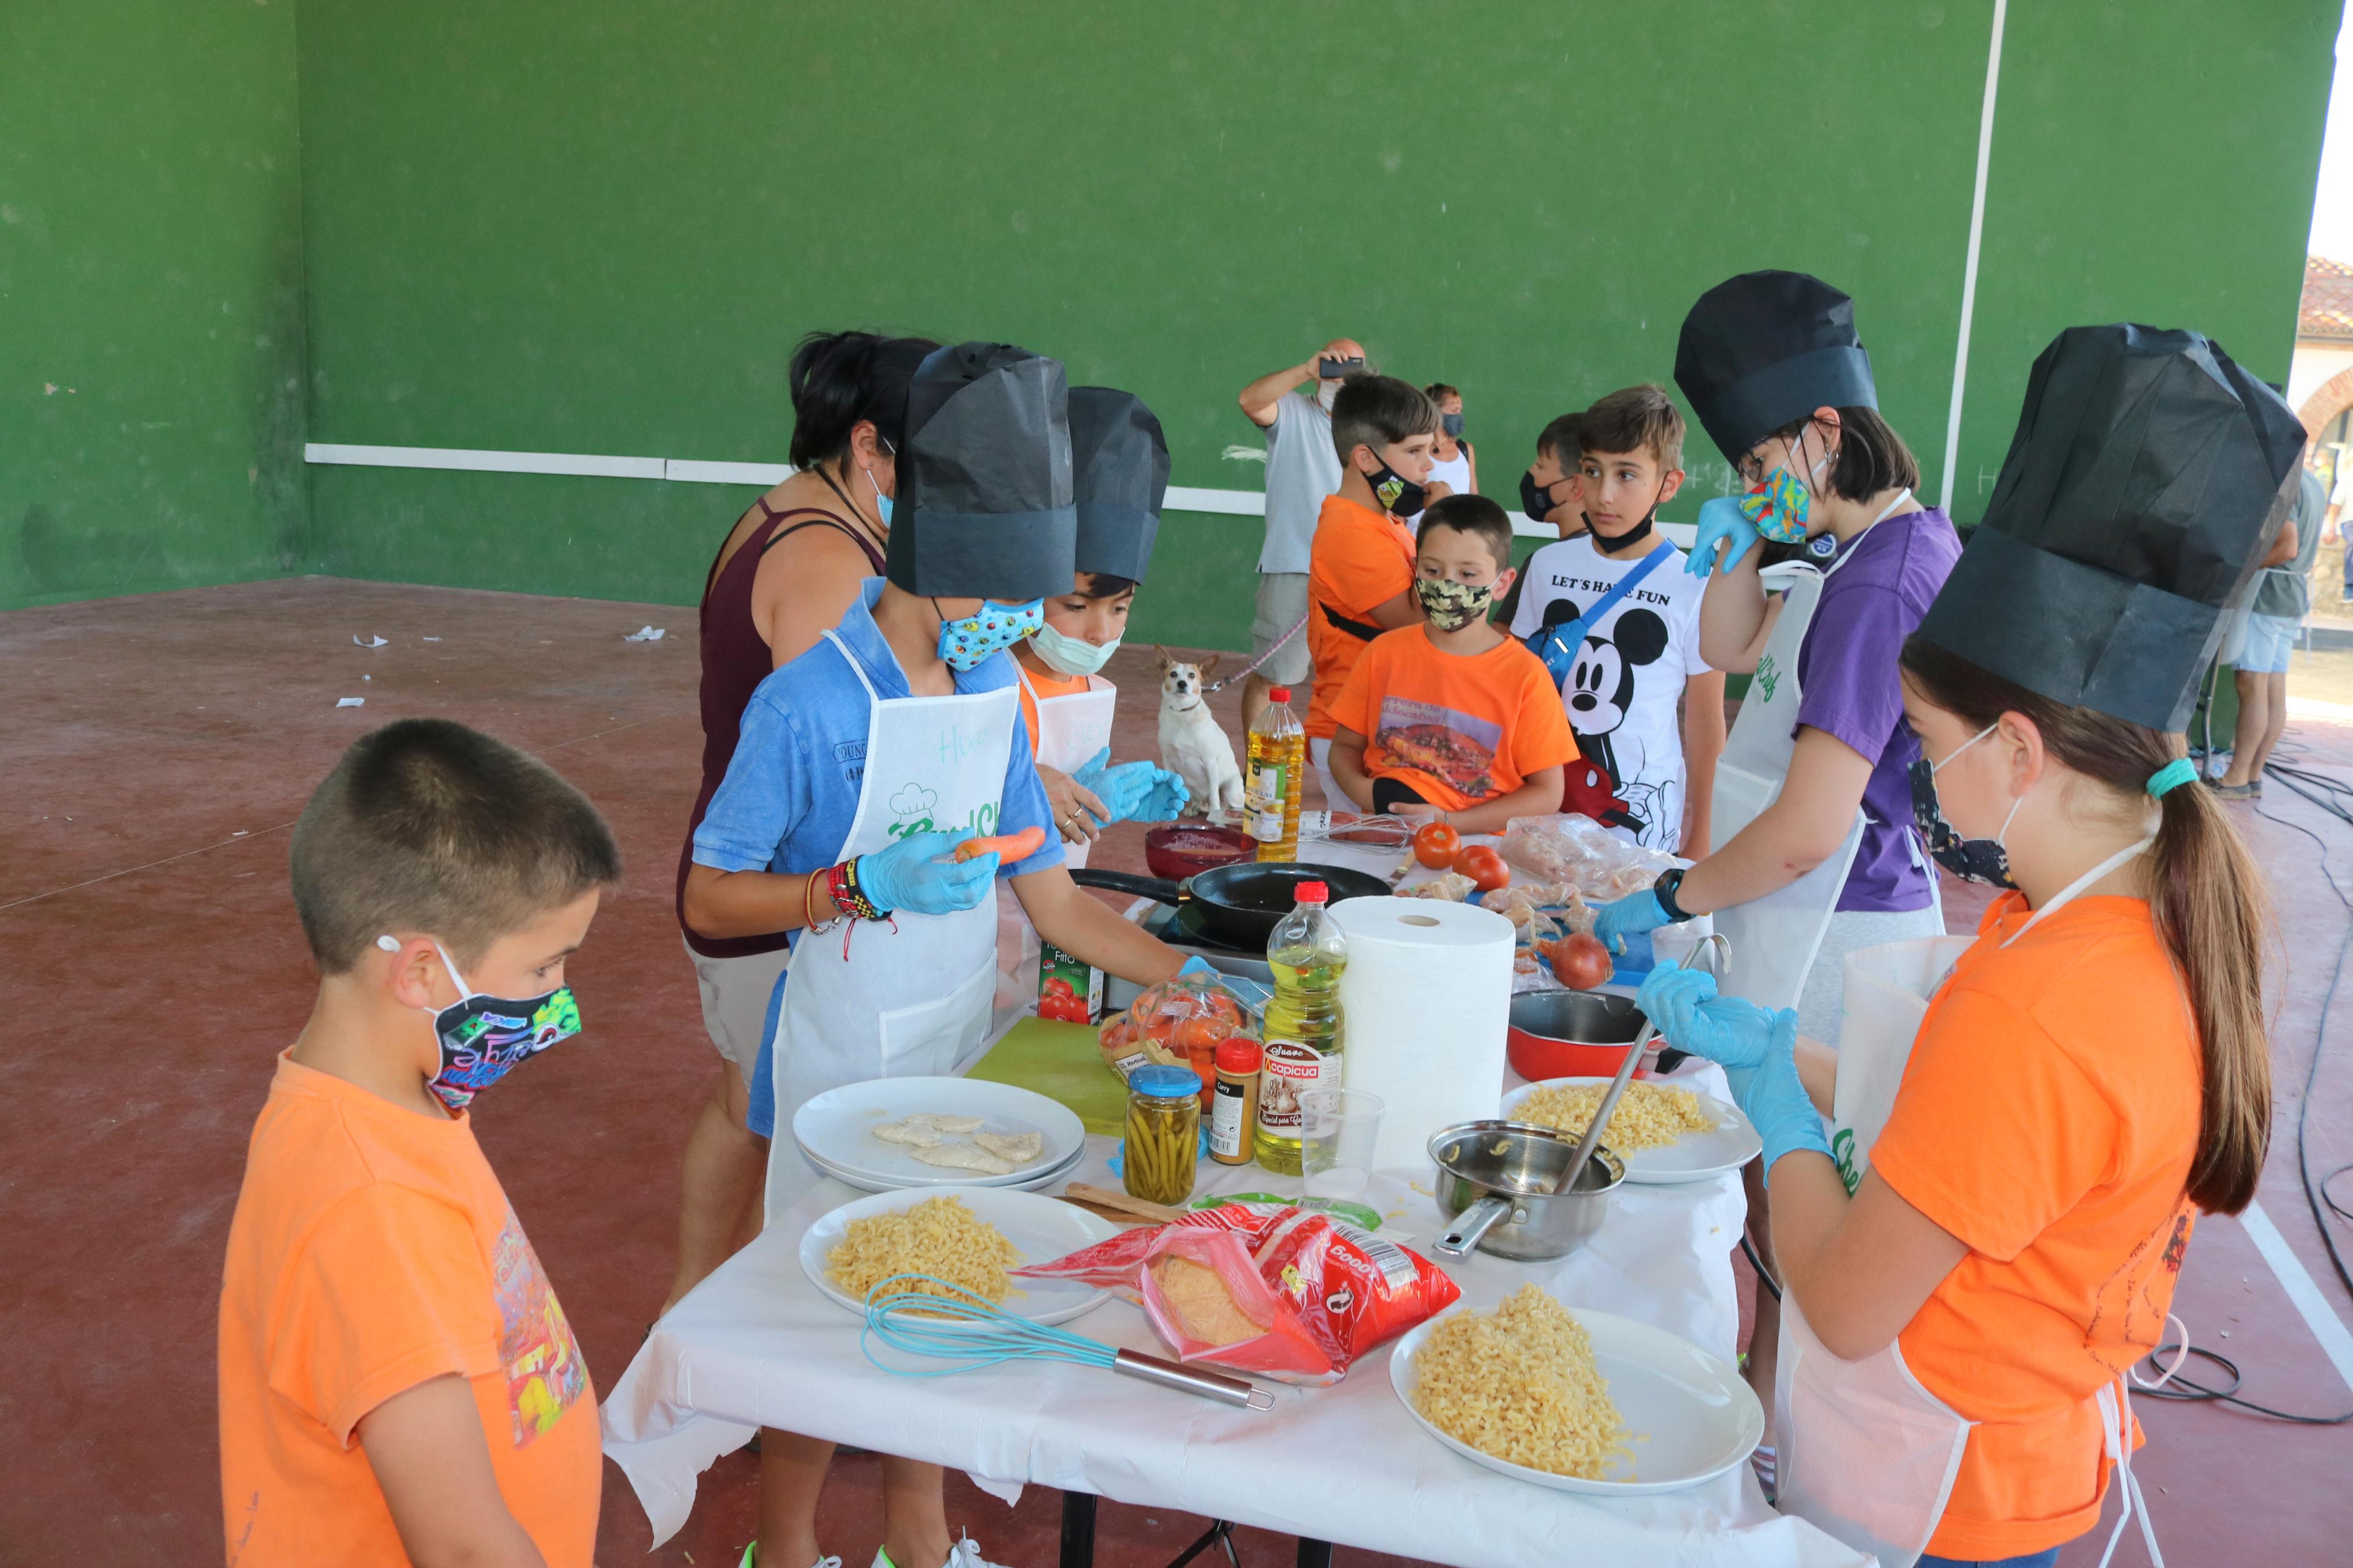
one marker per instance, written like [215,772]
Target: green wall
[150,298]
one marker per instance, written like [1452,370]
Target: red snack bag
[1193,1276]
[1345,1289]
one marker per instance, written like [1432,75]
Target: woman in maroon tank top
[789,571]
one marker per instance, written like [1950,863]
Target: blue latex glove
[1622,918]
[1692,1017]
[1200,968]
[1720,522]
[1136,792]
[1769,1093]
[918,876]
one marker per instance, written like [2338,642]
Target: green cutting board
[1061,1062]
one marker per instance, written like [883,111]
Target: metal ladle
[1719,949]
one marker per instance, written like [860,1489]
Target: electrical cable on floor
[1763,1278]
[2334,796]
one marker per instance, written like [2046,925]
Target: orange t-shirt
[1456,729]
[373,1249]
[1361,558]
[1034,686]
[2048,1118]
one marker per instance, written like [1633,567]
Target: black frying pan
[1242,903]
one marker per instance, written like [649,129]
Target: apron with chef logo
[1866,1452]
[1072,729]
[1775,938]
[907,997]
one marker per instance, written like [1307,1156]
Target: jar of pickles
[1164,1133]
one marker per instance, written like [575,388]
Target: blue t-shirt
[791,790]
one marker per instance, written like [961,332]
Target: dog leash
[1252,665]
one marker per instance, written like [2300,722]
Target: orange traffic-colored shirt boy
[1361,560]
[398,1379]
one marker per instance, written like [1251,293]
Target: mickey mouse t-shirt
[1623,694]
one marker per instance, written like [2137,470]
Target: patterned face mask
[968,643]
[1985,860]
[1779,504]
[1450,605]
[483,1038]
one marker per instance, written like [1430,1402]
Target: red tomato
[1435,845]
[1580,962]
[1483,867]
[1059,986]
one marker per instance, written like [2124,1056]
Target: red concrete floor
[154,752]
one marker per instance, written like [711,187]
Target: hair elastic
[2173,776]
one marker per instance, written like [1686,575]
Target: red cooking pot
[1176,850]
[1572,1033]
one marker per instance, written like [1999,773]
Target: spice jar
[1164,1133]
[1234,1114]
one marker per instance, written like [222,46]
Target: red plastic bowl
[1179,849]
[1571,1034]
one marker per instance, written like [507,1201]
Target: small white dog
[1192,746]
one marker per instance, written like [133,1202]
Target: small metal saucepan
[1495,1181]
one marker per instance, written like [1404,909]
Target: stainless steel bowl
[1496,1181]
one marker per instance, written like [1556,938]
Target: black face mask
[1452,425]
[1633,536]
[1399,496]
[1536,500]
[1971,859]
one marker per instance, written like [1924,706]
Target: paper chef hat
[1762,351]
[984,504]
[1122,461]
[2148,478]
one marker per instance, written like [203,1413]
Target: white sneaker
[963,1554]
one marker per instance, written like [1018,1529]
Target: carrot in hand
[1009,846]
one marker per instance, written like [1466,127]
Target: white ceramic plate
[1043,1229]
[1690,1417]
[1027,1180]
[836,1129]
[1693,1157]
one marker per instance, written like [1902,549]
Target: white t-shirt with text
[1624,691]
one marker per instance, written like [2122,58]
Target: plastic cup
[1337,1131]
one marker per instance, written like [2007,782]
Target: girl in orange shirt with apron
[1981,1244]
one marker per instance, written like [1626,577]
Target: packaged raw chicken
[1169,1022]
[1319,1292]
[1570,847]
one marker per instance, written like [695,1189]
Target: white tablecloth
[756,1344]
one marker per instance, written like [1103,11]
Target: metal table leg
[1077,1529]
[1315,1553]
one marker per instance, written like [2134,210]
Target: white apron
[1865,1451]
[913,1000]
[1071,730]
[1775,938]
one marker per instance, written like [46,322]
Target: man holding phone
[1302,468]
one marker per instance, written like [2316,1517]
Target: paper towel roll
[1425,1004]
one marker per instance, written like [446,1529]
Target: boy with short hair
[1552,490]
[1618,624]
[1361,569]
[1451,718]
[397,1382]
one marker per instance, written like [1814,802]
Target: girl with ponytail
[1982,1198]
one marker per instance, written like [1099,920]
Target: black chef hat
[1122,462]
[2144,483]
[984,502]
[1762,351]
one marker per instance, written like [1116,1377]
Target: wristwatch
[1664,890]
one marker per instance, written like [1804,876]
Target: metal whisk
[947,1322]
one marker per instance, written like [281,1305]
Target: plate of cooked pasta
[1665,1133]
[968,1236]
[1574,1401]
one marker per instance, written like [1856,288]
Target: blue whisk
[947,1322]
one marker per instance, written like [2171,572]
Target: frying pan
[1240,904]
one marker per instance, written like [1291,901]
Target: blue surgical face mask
[882,501]
[1069,655]
[483,1038]
[967,643]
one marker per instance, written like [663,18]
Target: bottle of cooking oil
[1277,778]
[1302,1030]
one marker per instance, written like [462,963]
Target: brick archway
[2329,399]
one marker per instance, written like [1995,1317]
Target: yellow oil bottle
[1302,1030]
[1276,778]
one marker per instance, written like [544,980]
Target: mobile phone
[1333,369]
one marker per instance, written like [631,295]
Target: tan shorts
[1282,601]
[736,993]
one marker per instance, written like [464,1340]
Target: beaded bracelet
[809,906]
